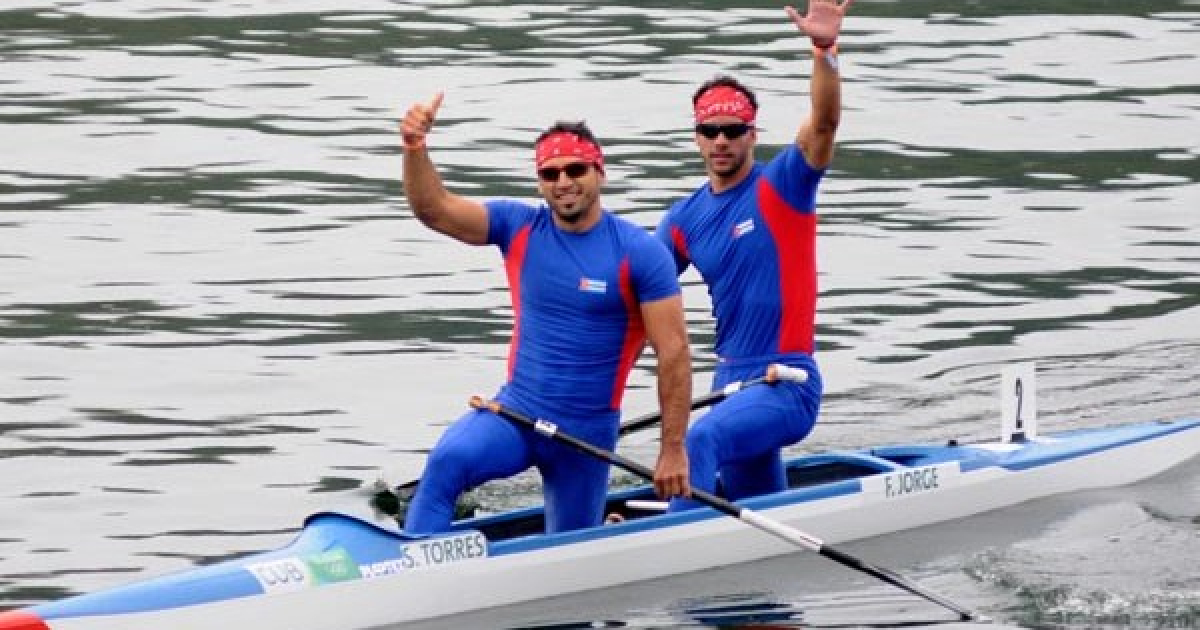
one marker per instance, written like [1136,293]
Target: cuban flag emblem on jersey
[592,286]
[743,228]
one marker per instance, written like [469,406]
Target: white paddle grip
[788,373]
[648,506]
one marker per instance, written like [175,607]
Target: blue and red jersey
[755,246]
[576,299]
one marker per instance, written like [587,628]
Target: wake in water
[1116,565]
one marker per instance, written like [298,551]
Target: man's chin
[723,167]
[570,214]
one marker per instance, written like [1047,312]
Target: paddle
[394,501]
[779,373]
[745,515]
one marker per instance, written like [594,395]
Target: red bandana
[561,143]
[723,100]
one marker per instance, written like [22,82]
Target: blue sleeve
[654,275]
[505,218]
[795,180]
[664,234]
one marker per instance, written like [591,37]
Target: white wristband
[829,55]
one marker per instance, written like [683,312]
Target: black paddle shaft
[775,374]
[750,517]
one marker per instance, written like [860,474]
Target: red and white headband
[565,143]
[723,100]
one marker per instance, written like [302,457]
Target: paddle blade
[394,502]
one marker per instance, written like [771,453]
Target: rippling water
[217,314]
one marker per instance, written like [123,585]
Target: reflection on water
[218,314]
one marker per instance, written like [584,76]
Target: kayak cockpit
[636,502]
[823,468]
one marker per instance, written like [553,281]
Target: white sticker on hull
[278,576]
[911,481]
[294,574]
[435,552]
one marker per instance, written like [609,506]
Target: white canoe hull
[534,567]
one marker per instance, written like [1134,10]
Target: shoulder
[621,224]
[627,231]
[702,194]
[680,209]
[791,160]
[516,206]
[641,246]
[513,212]
[507,217]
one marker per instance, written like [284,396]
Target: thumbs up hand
[418,121]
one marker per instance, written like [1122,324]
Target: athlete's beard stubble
[734,166]
[578,211]
[572,218]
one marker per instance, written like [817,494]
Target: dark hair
[578,128]
[727,81]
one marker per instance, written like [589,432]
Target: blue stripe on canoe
[1044,453]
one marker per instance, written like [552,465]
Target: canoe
[343,572]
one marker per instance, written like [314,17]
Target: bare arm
[822,24]
[667,333]
[439,209]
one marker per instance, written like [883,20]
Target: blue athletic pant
[481,446]
[743,436]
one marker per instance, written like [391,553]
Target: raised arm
[667,333]
[439,209]
[822,25]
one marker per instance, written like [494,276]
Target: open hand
[823,22]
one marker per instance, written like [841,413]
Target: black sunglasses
[574,170]
[733,131]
